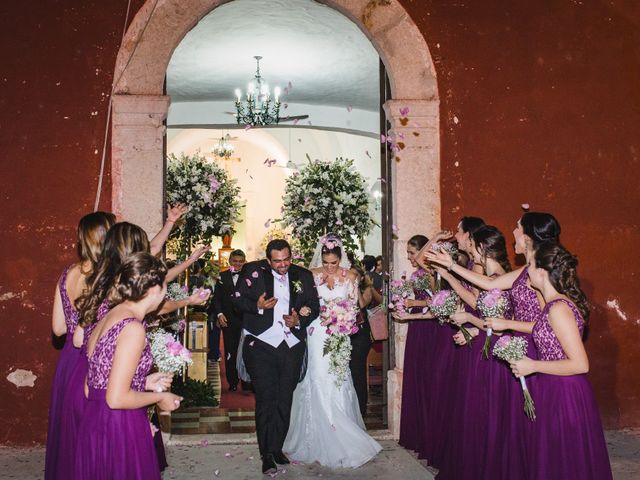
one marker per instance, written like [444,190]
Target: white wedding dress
[326,425]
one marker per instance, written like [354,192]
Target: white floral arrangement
[278,233]
[169,355]
[212,198]
[327,197]
[339,316]
[176,292]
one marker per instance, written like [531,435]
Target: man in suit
[271,294]
[227,316]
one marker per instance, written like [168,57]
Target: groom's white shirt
[278,331]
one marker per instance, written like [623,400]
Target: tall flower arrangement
[327,197]
[212,198]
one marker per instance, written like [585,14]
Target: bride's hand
[305,311]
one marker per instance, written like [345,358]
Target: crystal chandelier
[258,108]
[223,149]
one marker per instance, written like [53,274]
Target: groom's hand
[305,311]
[291,320]
[266,303]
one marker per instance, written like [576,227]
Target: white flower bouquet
[510,348]
[491,303]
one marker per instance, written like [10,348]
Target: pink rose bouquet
[491,303]
[339,316]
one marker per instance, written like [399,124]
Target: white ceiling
[324,55]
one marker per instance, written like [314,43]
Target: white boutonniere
[297,286]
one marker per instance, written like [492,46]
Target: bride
[326,424]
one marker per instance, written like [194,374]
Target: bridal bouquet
[491,303]
[443,305]
[401,290]
[510,348]
[339,317]
[168,353]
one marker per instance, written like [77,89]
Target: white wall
[262,187]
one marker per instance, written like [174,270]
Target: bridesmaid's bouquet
[401,290]
[421,281]
[176,292]
[339,316]
[491,303]
[169,355]
[443,305]
[510,348]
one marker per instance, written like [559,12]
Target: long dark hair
[121,241]
[540,227]
[137,274]
[561,266]
[418,241]
[92,229]
[471,224]
[493,245]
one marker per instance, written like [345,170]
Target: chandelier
[258,108]
[223,149]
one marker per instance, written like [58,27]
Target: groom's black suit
[274,371]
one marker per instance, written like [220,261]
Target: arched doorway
[139,109]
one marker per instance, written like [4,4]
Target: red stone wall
[540,104]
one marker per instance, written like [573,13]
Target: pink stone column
[416,207]
[137,165]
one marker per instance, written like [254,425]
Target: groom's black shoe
[269,466]
[281,458]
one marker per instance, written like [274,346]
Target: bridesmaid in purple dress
[473,399]
[443,369]
[114,434]
[567,440]
[416,365]
[91,232]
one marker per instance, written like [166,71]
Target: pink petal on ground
[204,443]
[228,455]
[216,472]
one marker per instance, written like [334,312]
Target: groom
[271,293]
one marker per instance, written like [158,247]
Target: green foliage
[196,393]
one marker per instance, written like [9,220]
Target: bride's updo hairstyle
[540,227]
[561,266]
[139,272]
[331,244]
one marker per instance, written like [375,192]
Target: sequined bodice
[547,343]
[524,299]
[101,360]
[71,315]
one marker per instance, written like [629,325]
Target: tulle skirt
[420,359]
[567,440]
[115,444]
[57,443]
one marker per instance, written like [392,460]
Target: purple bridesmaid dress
[567,440]
[508,441]
[419,361]
[474,418]
[448,385]
[74,404]
[69,356]
[115,443]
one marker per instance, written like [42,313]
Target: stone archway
[139,109]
